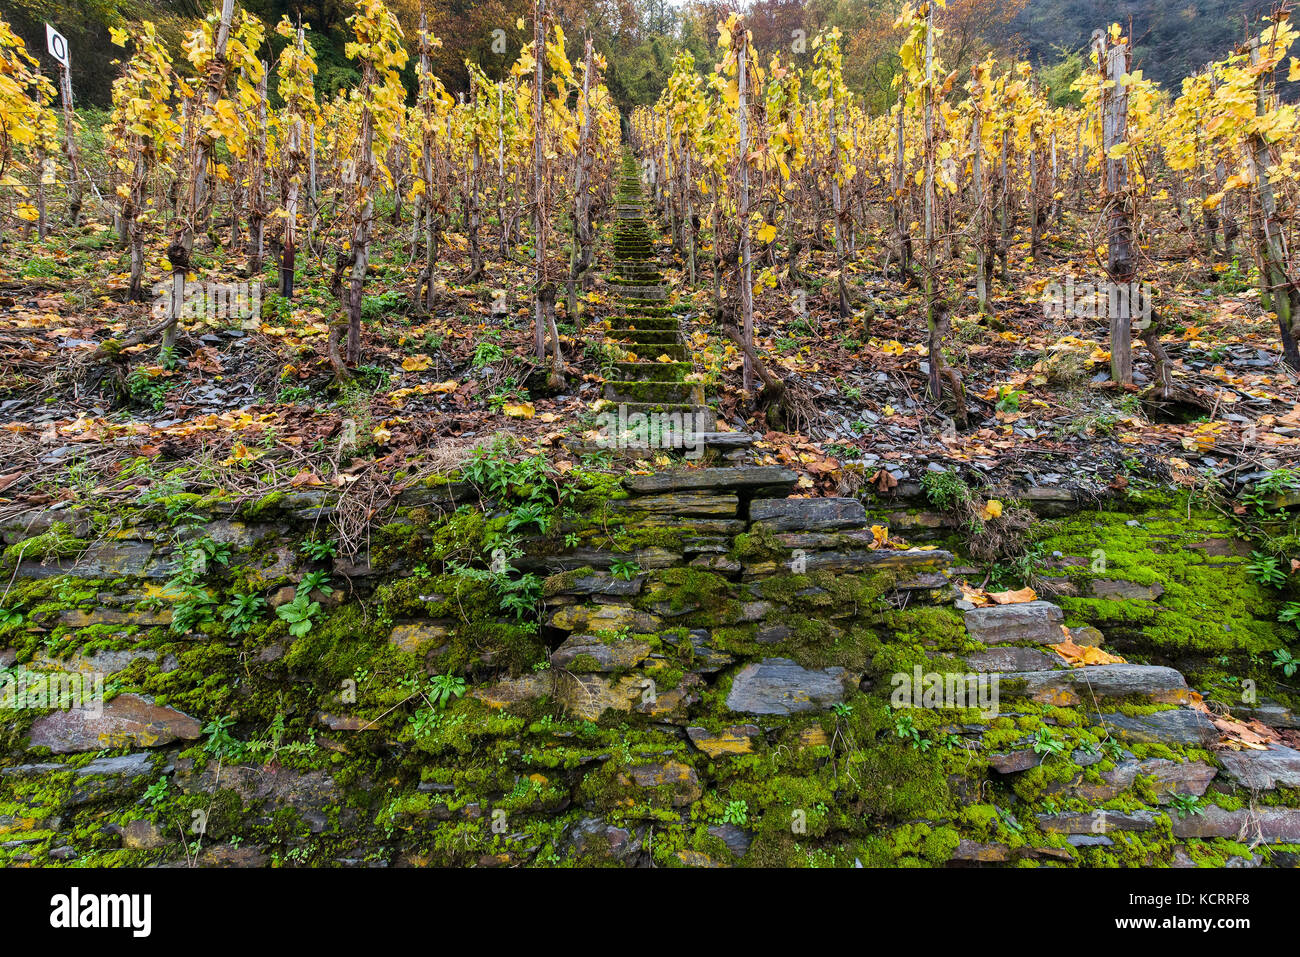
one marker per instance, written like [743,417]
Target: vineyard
[266,350]
[364,222]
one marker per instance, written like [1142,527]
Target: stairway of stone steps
[642,321]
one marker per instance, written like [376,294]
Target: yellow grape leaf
[416,363]
[519,410]
[992,509]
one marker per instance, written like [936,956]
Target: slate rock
[976,852]
[129,720]
[736,838]
[1119,588]
[736,739]
[593,653]
[1031,621]
[1010,658]
[1174,726]
[1263,770]
[595,837]
[780,686]
[773,477]
[681,779]
[1069,687]
[806,514]
[1012,761]
[1096,822]
[1275,825]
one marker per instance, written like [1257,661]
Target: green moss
[262,508]
[58,541]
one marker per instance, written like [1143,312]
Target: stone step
[630,291]
[645,322]
[653,371]
[642,271]
[721,441]
[704,418]
[643,336]
[674,392]
[630,310]
[651,351]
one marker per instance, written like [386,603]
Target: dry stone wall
[684,669]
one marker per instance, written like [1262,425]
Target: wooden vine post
[742,206]
[1112,62]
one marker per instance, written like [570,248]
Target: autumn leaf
[1016,597]
[992,509]
[519,410]
[304,478]
[416,363]
[1080,655]
[241,454]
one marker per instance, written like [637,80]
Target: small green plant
[10,617]
[1282,658]
[1277,482]
[242,611]
[220,742]
[156,793]
[625,570]
[424,722]
[442,688]
[1008,401]
[737,813]
[1009,821]
[905,728]
[487,352]
[1186,804]
[318,551]
[1048,745]
[1266,570]
[272,744]
[529,513]
[193,608]
[147,389]
[299,613]
[315,581]
[947,490]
